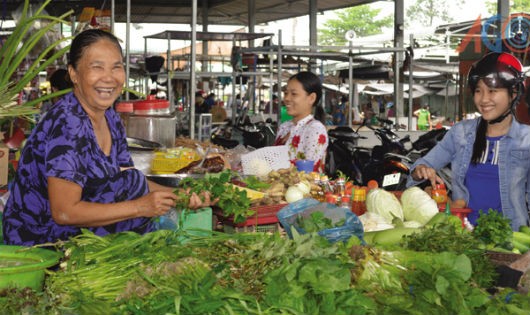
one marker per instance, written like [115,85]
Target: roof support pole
[204,15]
[312,29]
[252,80]
[193,56]
[399,27]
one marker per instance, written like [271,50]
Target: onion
[293,194]
[304,187]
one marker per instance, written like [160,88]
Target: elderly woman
[75,170]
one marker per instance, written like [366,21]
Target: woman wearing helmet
[489,155]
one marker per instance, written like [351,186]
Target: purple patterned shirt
[63,145]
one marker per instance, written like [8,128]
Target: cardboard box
[4,164]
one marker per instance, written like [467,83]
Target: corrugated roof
[221,12]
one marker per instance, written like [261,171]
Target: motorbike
[388,163]
[257,134]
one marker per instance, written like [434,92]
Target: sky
[294,31]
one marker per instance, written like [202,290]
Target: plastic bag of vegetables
[311,216]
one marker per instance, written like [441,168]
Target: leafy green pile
[171,272]
[494,229]
[232,201]
[317,221]
[447,237]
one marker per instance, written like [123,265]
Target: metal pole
[279,71]
[127,48]
[234,83]
[350,85]
[192,67]
[411,83]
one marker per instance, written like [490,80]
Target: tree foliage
[429,12]
[362,19]
[515,6]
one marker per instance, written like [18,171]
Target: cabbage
[418,205]
[374,222]
[384,203]
[412,224]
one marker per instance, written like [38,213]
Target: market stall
[280,239]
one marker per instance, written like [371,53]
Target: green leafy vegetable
[253,182]
[493,228]
[316,222]
[232,201]
[445,236]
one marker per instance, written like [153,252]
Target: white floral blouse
[308,136]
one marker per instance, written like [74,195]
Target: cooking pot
[151,106]
[157,128]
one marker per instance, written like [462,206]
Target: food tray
[173,160]
[263,215]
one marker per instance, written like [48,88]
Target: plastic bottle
[358,204]
[439,194]
[345,201]
[318,192]
[340,187]
[325,185]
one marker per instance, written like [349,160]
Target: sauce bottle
[358,204]
[439,194]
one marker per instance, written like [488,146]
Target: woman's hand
[155,204]
[201,201]
[424,172]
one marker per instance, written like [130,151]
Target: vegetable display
[168,272]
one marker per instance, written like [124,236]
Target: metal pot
[157,128]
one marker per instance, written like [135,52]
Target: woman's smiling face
[99,76]
[299,104]
[491,102]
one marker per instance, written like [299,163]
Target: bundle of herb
[232,201]
[446,237]
[494,229]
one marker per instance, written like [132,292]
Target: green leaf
[14,52]
[442,285]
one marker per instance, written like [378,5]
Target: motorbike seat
[343,133]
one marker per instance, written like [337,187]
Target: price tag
[391,179]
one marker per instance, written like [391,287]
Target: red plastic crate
[263,215]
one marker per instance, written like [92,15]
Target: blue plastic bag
[352,225]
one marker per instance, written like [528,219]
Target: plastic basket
[261,161]
[173,160]
[267,228]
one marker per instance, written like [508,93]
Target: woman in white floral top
[305,134]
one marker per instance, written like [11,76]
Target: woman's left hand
[201,200]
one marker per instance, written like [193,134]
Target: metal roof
[210,36]
[221,12]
